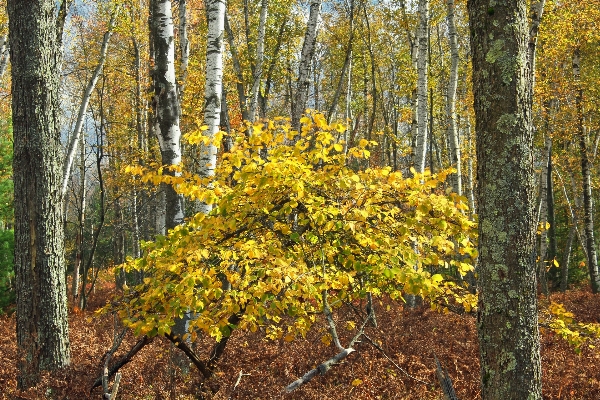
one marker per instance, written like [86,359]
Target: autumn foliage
[298,227]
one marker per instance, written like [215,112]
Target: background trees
[392,78]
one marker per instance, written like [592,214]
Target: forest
[317,199]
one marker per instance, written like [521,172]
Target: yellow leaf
[338,147]
[289,337]
[357,382]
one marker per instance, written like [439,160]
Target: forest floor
[409,338]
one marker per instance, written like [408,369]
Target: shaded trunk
[239,83]
[507,310]
[41,312]
[588,208]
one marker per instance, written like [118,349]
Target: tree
[422,61]
[167,106]
[306,57]
[42,327]
[507,311]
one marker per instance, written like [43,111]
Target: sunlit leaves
[292,222]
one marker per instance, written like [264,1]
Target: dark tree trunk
[507,311]
[588,208]
[42,327]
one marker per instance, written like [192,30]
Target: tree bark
[345,67]
[543,219]
[260,55]
[308,51]
[451,100]
[235,59]
[167,107]
[588,207]
[507,311]
[422,58]
[42,326]
[215,10]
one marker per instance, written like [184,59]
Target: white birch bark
[308,51]
[215,10]
[167,107]
[543,219]
[260,53]
[471,184]
[75,137]
[79,239]
[451,100]
[422,61]
[4,55]
[184,45]
[345,67]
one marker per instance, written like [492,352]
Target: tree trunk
[260,55]
[507,311]
[564,267]
[345,67]
[422,58]
[588,208]
[80,228]
[85,100]
[4,55]
[167,107]
[543,219]
[41,315]
[235,59]
[215,10]
[451,100]
[184,46]
[308,51]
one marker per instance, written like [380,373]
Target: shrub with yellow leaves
[292,223]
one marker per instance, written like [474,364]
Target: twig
[237,382]
[123,360]
[117,340]
[115,389]
[191,355]
[322,369]
[378,347]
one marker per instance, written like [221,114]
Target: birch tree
[507,311]
[420,155]
[260,55]
[451,100]
[588,207]
[215,11]
[85,101]
[41,315]
[308,51]
[167,112]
